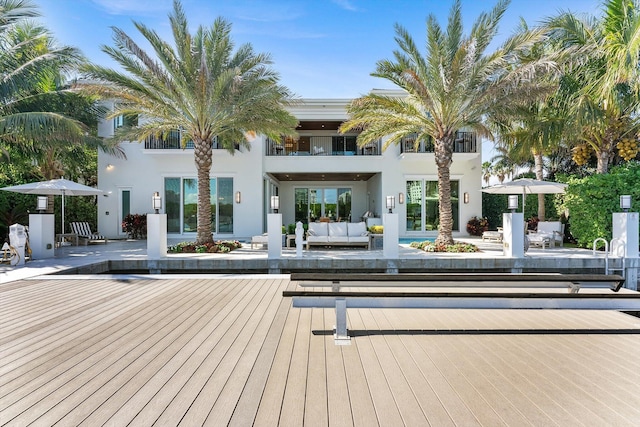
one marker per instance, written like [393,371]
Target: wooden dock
[231,351]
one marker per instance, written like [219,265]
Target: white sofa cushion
[337,229]
[357,229]
[359,239]
[338,232]
[318,229]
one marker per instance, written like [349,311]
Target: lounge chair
[495,236]
[85,235]
[262,239]
[551,232]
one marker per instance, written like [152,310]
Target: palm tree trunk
[443,157]
[203,159]
[603,161]
[537,158]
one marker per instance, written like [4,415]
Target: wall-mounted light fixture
[41,205]
[110,166]
[401,198]
[625,203]
[513,203]
[465,197]
[156,201]
[391,203]
[238,197]
[275,204]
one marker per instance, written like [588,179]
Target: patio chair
[262,239]
[85,235]
[493,235]
[549,232]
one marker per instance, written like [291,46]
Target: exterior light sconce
[513,203]
[41,204]
[465,197]
[238,197]
[625,203]
[391,203]
[156,202]
[110,167]
[401,198]
[275,203]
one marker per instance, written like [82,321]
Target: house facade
[320,174]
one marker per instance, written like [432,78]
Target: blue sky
[321,48]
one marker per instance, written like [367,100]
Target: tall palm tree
[454,86]
[605,55]
[198,85]
[487,172]
[26,73]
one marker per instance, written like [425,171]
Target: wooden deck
[204,351]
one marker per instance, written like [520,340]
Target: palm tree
[454,86]
[29,64]
[198,85]
[487,172]
[605,54]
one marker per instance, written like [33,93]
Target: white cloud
[137,7]
[345,4]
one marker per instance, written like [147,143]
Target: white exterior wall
[143,173]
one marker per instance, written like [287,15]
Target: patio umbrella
[526,186]
[62,187]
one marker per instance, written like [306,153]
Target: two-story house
[319,174]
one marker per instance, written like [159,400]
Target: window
[423,205]
[181,197]
[311,204]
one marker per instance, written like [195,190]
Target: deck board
[230,350]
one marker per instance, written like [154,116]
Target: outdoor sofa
[338,234]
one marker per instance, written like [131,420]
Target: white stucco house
[321,174]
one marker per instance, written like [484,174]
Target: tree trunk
[603,161]
[443,156]
[537,158]
[203,159]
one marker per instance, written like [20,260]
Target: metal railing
[173,141]
[464,142]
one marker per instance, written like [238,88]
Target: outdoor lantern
[513,203]
[42,203]
[275,203]
[401,198]
[391,203]
[238,197]
[625,203]
[157,202]
[466,197]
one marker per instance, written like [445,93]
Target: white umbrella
[526,186]
[62,187]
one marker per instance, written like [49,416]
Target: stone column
[513,235]
[156,236]
[274,232]
[390,248]
[41,235]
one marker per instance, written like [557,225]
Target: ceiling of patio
[318,125]
[314,176]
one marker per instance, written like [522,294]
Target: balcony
[321,146]
[465,142]
[173,141]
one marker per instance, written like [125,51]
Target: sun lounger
[85,235]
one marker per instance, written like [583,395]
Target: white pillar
[42,235]
[390,248]
[513,235]
[299,239]
[274,233]
[625,243]
[156,236]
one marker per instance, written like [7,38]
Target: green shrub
[592,200]
[476,226]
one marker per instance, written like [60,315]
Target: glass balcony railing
[321,146]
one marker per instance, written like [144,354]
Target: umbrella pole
[62,219]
